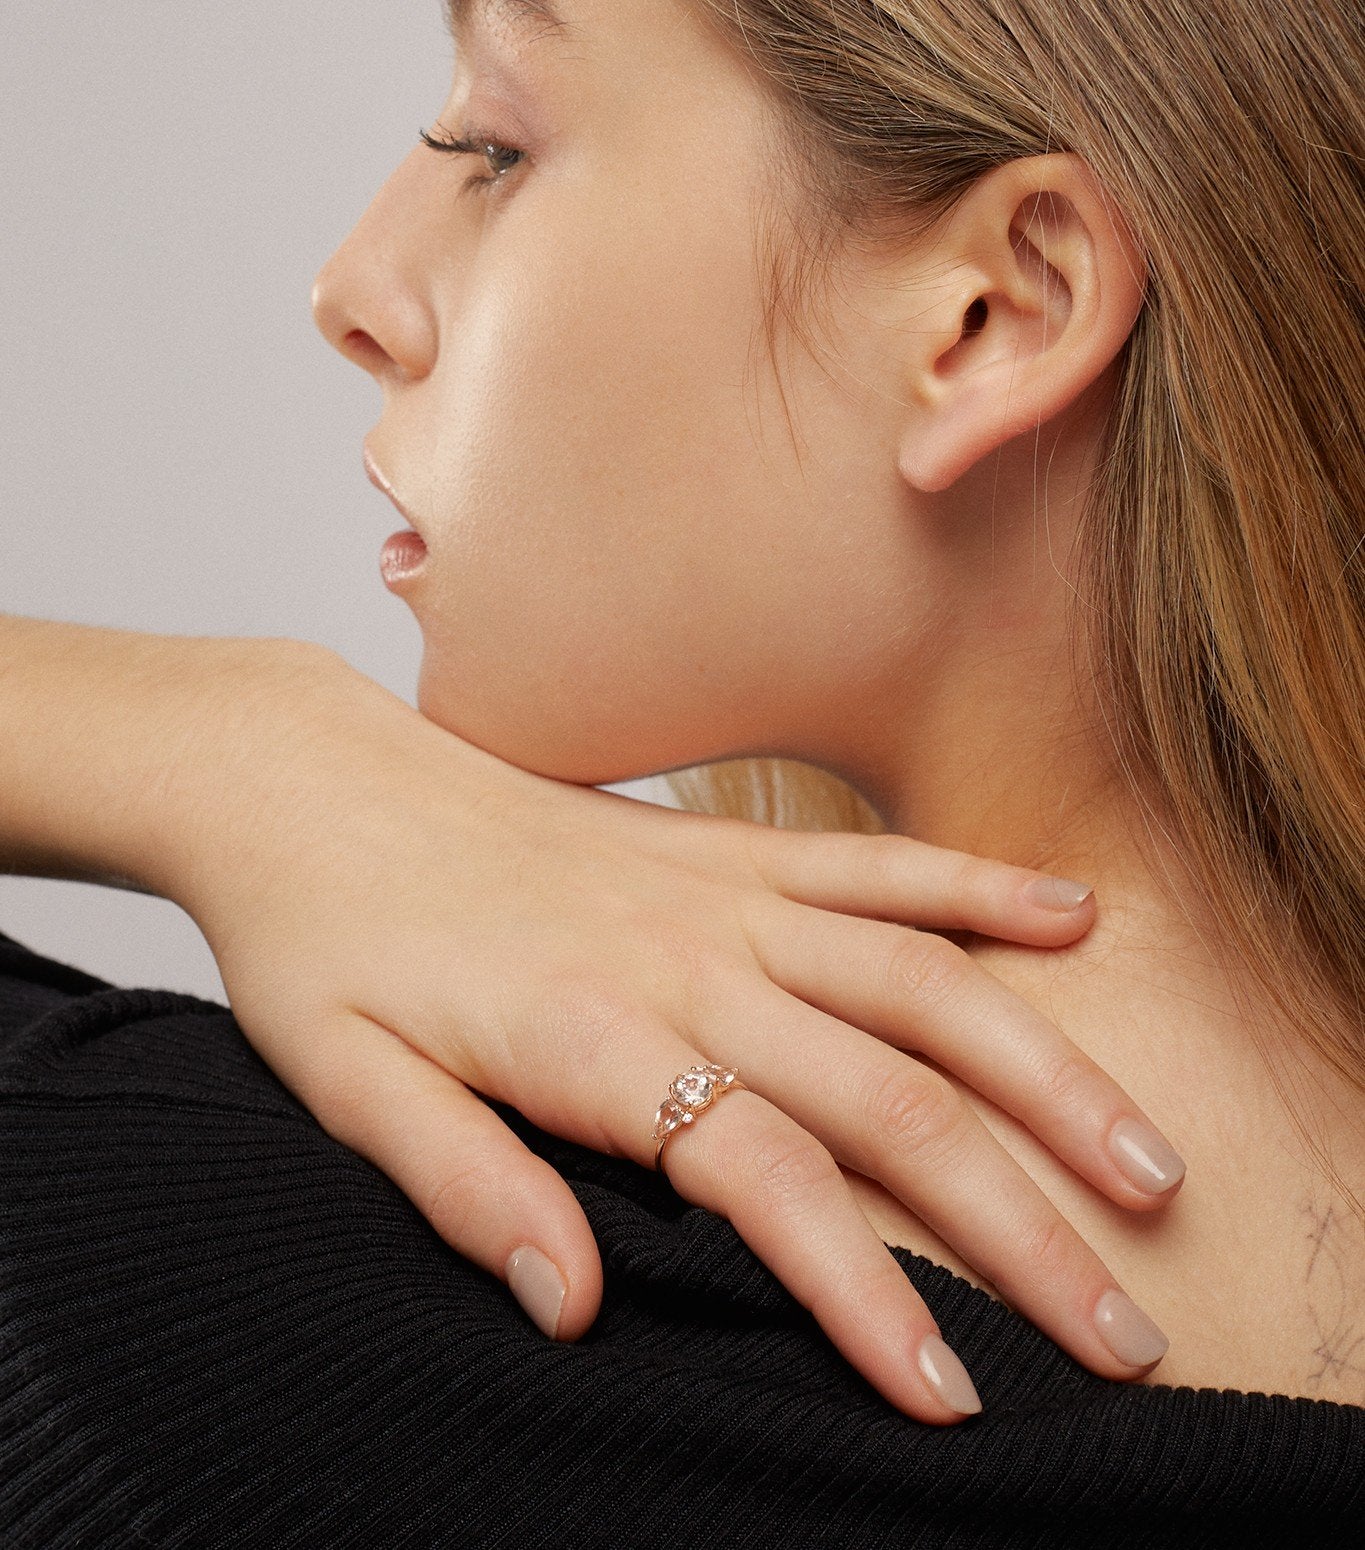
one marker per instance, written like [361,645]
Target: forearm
[111,742]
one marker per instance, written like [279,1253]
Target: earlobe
[1047,283]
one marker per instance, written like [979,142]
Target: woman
[1100,554]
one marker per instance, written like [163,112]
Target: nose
[371,299]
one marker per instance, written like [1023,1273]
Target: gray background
[182,449]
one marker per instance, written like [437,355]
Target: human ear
[1036,283]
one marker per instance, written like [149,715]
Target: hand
[400,917]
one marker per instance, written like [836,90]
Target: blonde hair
[1224,593]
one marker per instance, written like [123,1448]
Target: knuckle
[1048,1244]
[883,858]
[975,877]
[691,964]
[761,845]
[927,968]
[787,1168]
[453,1200]
[1066,1082]
[919,1112]
[658,930]
[586,1013]
[574,1026]
[677,957]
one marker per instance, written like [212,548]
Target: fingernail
[1128,1332]
[1145,1157]
[947,1376]
[537,1285]
[1057,893]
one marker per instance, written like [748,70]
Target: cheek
[578,609]
[622,579]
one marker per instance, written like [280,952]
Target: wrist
[236,722]
[116,740]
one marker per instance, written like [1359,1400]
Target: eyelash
[476,142]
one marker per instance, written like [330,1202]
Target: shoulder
[214,1313]
[72,1038]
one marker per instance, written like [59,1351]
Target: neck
[1255,1269]
[987,736]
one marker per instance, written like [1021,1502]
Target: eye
[477,142]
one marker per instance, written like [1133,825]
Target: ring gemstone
[688,1094]
[693,1088]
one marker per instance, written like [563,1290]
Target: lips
[404,554]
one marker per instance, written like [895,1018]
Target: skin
[583,423]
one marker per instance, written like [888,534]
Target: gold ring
[689,1093]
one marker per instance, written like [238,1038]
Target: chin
[569,737]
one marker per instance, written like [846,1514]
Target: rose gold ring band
[689,1093]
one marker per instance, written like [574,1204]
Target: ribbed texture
[220,1327]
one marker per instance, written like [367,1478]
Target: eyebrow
[459,13]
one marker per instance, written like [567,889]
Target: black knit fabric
[220,1327]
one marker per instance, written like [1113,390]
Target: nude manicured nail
[1057,893]
[1145,1157]
[1128,1332]
[537,1285]
[947,1376]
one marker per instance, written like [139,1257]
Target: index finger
[924,994]
[894,877]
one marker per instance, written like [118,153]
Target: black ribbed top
[218,1326]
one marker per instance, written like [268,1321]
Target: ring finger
[785,1196]
[778,1186]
